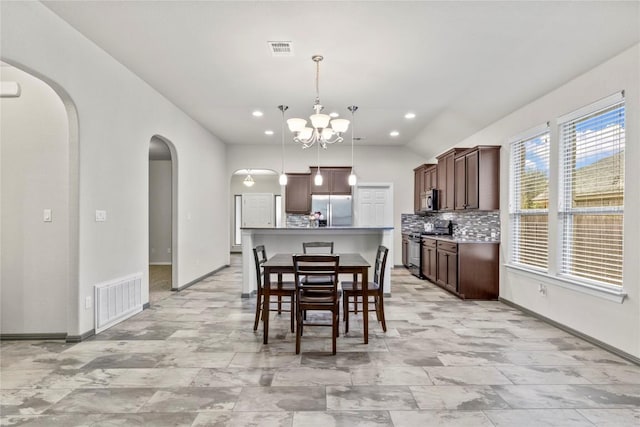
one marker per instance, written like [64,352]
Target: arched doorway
[39,199]
[162,219]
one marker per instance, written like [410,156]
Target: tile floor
[192,359]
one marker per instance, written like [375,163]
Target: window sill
[614,295]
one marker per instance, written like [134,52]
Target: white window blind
[592,194]
[529,207]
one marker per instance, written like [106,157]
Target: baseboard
[81,337]
[193,282]
[631,358]
[33,336]
[161,263]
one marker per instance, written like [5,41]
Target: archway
[163,254]
[39,199]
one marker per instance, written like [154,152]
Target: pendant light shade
[283,179]
[353,180]
[317,180]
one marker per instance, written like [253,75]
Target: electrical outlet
[87,302]
[542,289]
[101,216]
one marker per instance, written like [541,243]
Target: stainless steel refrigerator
[337,210]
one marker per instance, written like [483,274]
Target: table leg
[265,306]
[365,305]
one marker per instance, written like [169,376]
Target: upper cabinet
[298,193]
[476,174]
[446,179]
[425,178]
[335,180]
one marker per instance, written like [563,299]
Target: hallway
[192,359]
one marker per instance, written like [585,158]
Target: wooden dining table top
[347,260]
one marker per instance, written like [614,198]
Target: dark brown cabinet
[446,180]
[468,270]
[405,250]
[298,193]
[447,265]
[428,267]
[477,179]
[425,178]
[335,180]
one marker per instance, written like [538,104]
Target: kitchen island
[362,240]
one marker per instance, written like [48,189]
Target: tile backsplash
[299,221]
[478,225]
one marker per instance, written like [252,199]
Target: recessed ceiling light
[334,115]
[410,116]
[268,132]
[394,133]
[257,113]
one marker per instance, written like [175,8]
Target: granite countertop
[460,239]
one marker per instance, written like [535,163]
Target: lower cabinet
[468,270]
[405,250]
[428,267]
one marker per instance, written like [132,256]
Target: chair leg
[292,312]
[380,304]
[258,309]
[346,315]
[298,330]
[334,335]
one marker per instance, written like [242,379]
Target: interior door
[374,206]
[258,210]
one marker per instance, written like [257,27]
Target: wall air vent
[281,48]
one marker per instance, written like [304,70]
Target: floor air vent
[117,300]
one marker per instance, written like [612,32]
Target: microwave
[429,201]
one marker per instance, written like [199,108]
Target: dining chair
[311,296]
[279,289]
[352,291]
[317,247]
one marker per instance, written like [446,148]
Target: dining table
[349,263]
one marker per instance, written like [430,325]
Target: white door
[258,210]
[374,205]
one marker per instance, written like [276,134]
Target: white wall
[117,115]
[372,164]
[613,323]
[34,151]
[160,212]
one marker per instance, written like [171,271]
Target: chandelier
[324,130]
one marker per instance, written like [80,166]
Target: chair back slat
[316,265]
[259,257]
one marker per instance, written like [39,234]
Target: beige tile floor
[192,359]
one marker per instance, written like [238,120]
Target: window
[592,142]
[529,207]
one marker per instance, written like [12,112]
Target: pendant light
[283,176]
[248,181]
[353,179]
[317,180]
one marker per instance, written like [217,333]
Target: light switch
[46,217]
[101,216]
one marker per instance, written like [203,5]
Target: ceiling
[457,65]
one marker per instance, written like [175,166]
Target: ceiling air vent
[281,48]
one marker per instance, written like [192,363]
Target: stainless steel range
[439,227]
